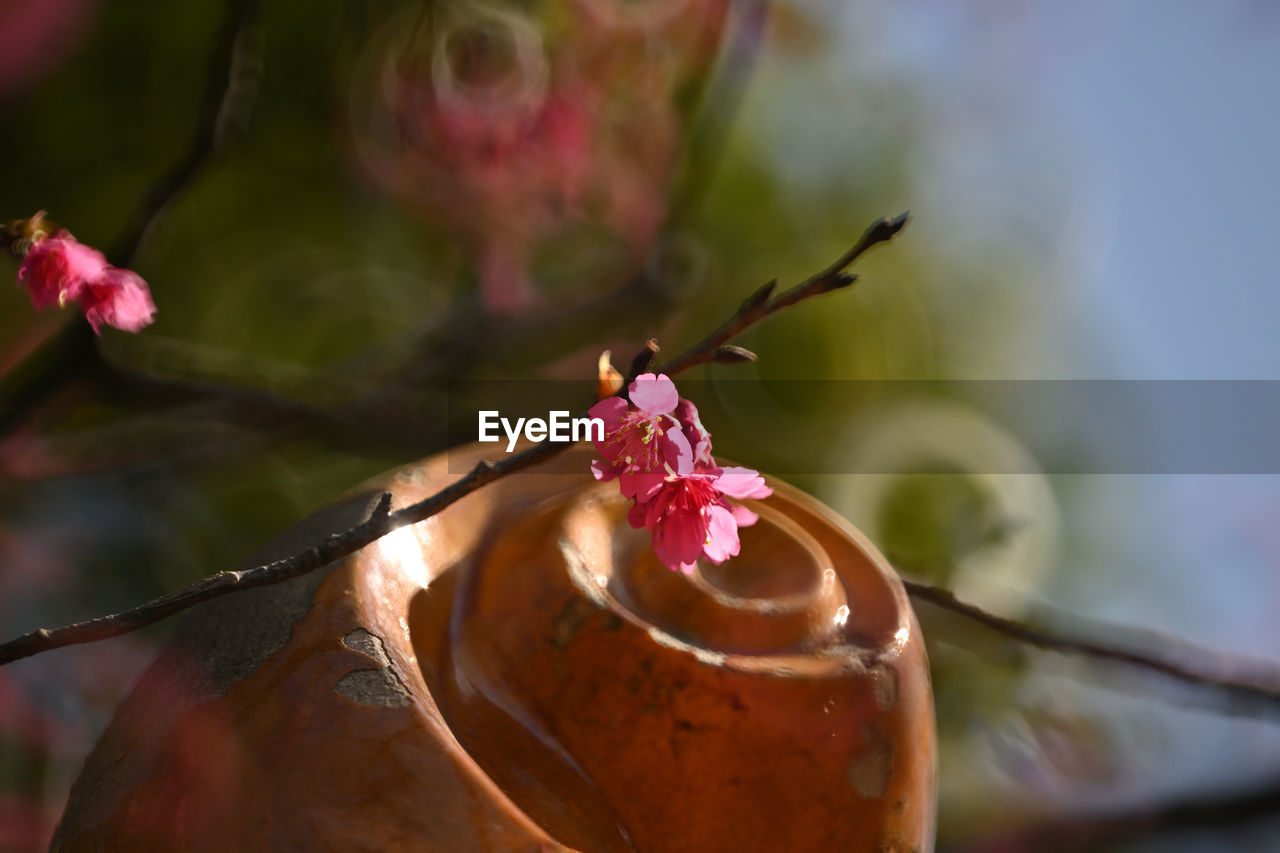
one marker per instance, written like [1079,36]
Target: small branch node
[884,230]
[757,300]
[643,360]
[382,510]
[733,355]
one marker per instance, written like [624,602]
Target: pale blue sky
[1179,100]
[1137,143]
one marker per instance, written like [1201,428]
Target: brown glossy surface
[519,673]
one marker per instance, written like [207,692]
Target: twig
[763,303]
[380,522]
[72,350]
[1257,695]
[347,542]
[643,361]
[166,605]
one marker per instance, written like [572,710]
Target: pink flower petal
[699,439]
[654,395]
[83,262]
[117,298]
[678,541]
[636,515]
[642,486]
[722,535]
[742,483]
[653,510]
[677,452]
[56,268]
[742,515]
[610,410]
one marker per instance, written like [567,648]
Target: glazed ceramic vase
[520,673]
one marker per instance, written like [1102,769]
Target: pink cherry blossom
[690,516]
[642,439]
[117,298]
[657,447]
[59,269]
[56,268]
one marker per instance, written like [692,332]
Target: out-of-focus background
[409,193]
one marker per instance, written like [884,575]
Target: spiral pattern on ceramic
[780,598]
[782,696]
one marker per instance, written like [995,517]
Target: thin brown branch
[763,303]
[1247,688]
[166,605]
[381,522]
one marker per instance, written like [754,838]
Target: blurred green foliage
[299,299]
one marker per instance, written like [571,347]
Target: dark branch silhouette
[72,351]
[231,84]
[1241,687]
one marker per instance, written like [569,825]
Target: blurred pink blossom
[515,131]
[118,298]
[56,268]
[35,35]
[59,269]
